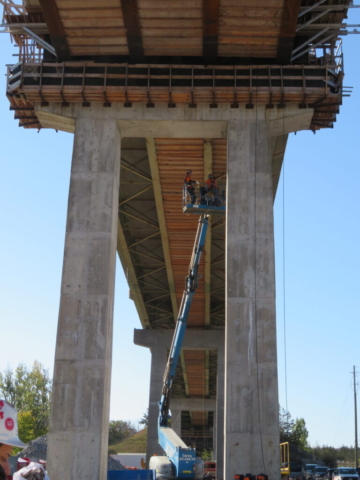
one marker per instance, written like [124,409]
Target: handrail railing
[218,84]
[203,196]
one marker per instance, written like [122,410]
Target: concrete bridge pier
[80,409]
[81,390]
[158,363]
[219,415]
[159,342]
[251,386]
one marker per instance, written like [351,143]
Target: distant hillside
[134,444]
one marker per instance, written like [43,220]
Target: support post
[79,420]
[158,363]
[219,418]
[251,388]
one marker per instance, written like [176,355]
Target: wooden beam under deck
[133,30]
[151,149]
[211,10]
[56,29]
[289,23]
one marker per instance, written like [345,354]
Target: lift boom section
[182,457]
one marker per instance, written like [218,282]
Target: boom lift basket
[204,201]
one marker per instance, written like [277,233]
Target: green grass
[134,444]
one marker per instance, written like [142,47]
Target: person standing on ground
[8,436]
[189,184]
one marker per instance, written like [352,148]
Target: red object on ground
[210,467]
[22,462]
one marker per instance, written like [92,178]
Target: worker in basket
[189,185]
[211,184]
[212,189]
[8,436]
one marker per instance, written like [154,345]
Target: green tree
[29,390]
[286,425]
[292,431]
[300,433]
[145,419]
[118,430]
[26,423]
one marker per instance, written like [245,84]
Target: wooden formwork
[315,86]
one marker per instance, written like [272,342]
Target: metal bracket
[40,41]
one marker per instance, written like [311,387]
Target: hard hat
[9,426]
[189,171]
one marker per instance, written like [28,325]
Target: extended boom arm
[191,284]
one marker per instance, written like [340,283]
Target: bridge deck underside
[142,250]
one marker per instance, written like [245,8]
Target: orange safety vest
[211,182]
[188,182]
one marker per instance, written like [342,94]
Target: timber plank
[169,4]
[104,50]
[173,33]
[95,32]
[93,13]
[248,41]
[93,23]
[87,41]
[86,4]
[171,23]
[178,13]
[250,4]
[250,12]
[185,42]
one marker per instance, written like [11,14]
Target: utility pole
[356,434]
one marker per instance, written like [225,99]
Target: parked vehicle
[319,473]
[307,470]
[330,473]
[345,473]
[210,469]
[295,467]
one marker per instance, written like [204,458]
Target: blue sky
[322,264]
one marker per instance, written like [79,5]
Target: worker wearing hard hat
[211,184]
[189,185]
[8,436]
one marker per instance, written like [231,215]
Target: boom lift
[180,461]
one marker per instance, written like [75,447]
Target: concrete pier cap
[180,122]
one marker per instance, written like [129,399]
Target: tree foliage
[145,419]
[292,431]
[29,390]
[334,457]
[119,430]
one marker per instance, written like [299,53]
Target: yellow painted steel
[284,459]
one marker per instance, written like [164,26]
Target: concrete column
[251,387]
[219,416]
[158,363]
[176,421]
[79,419]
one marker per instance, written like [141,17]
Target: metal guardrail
[162,83]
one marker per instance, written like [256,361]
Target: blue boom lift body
[183,458]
